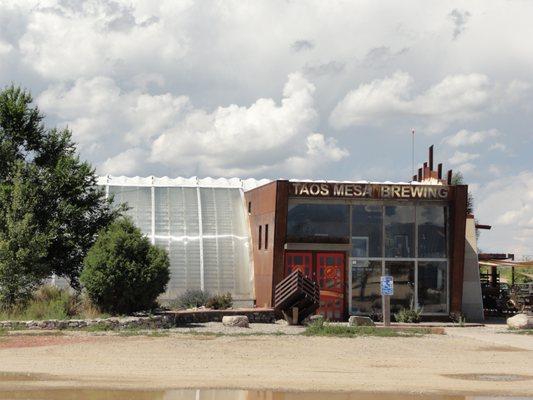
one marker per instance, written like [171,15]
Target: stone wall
[161,321]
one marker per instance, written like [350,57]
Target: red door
[328,270]
[298,261]
[330,275]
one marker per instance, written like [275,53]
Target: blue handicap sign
[387,285]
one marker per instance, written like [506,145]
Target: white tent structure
[202,223]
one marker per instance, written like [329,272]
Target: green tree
[123,271]
[50,206]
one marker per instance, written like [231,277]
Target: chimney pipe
[439,171]
[431,158]
[419,174]
[450,175]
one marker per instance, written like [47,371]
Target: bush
[123,271]
[220,301]
[191,298]
[407,315]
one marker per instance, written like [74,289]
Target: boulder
[356,320]
[240,321]
[520,321]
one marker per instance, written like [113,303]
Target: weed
[220,301]
[356,331]
[407,315]
[191,298]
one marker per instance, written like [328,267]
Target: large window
[318,223]
[399,231]
[366,294]
[432,285]
[403,273]
[431,224]
[407,241]
[367,230]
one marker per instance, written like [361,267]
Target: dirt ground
[434,364]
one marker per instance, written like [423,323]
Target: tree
[123,271]
[46,192]
[458,179]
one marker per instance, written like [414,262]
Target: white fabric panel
[139,200]
[223,235]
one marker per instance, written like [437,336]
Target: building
[245,236]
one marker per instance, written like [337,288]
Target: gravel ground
[254,329]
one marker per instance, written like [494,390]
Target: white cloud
[126,131]
[506,204]
[98,111]
[467,138]
[455,98]
[248,140]
[68,40]
[460,157]
[498,146]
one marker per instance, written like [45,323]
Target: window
[431,224]
[399,231]
[266,236]
[367,230]
[403,273]
[260,236]
[318,223]
[432,286]
[366,293]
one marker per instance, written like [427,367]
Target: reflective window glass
[318,223]
[431,221]
[403,273]
[366,294]
[432,286]
[367,231]
[399,231]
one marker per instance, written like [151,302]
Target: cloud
[134,132]
[455,98]
[498,146]
[460,157]
[459,19]
[465,137]
[302,45]
[70,40]
[259,138]
[506,204]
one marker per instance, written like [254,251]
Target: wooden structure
[297,297]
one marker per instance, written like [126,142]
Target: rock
[520,321]
[281,322]
[240,321]
[356,320]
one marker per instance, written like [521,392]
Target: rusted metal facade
[268,208]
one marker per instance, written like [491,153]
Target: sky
[295,89]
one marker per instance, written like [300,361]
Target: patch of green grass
[96,328]
[358,331]
[520,331]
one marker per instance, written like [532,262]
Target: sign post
[387,290]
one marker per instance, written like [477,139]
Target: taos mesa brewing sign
[376,191]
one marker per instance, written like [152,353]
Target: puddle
[491,377]
[106,394]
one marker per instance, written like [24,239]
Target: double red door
[327,268]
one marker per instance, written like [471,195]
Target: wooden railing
[296,297]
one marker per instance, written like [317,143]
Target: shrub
[123,271]
[407,315]
[191,298]
[220,301]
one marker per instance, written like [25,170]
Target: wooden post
[386,310]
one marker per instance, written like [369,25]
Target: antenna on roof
[413,151]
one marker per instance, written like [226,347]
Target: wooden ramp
[296,297]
